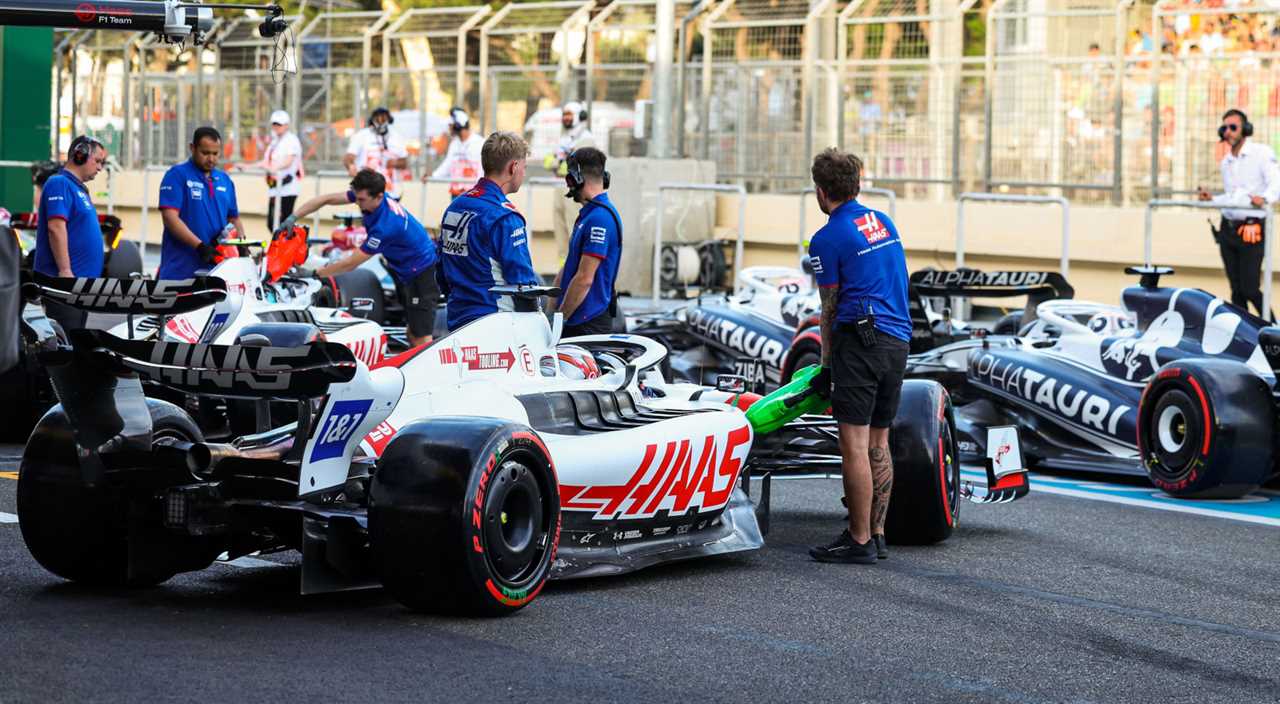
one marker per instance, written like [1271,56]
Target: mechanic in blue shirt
[861,270]
[595,249]
[483,238]
[393,232]
[68,236]
[197,201]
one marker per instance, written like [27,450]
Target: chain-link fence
[1097,100]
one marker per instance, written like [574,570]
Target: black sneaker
[882,547]
[843,549]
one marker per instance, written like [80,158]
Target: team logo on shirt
[816,262]
[454,232]
[597,235]
[871,228]
[373,242]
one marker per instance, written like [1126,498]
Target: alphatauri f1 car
[1177,384]
[460,475]
[769,329]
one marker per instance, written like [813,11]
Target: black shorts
[866,382]
[419,298]
[600,325]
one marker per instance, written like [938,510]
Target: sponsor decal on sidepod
[736,336]
[1058,396]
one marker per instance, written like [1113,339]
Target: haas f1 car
[1176,384]
[461,475]
[769,329]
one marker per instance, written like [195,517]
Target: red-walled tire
[1205,429]
[924,505]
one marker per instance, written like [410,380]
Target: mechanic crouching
[861,270]
[590,272]
[484,241]
[68,236]
[394,233]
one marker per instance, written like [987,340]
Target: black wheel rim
[1174,434]
[951,473]
[515,517]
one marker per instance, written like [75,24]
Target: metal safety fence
[1098,101]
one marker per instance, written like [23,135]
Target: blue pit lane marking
[1261,507]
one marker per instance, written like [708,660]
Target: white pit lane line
[1094,491]
[8,518]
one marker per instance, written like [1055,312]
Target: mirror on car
[731,383]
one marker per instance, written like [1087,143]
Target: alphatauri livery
[1177,384]
[460,475]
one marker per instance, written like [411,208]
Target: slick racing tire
[124,261]
[81,533]
[464,516]
[924,505]
[1204,429]
[339,291]
[804,359]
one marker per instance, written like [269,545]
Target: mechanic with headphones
[1250,179]
[575,135]
[68,236]
[588,297]
[378,147]
[462,160]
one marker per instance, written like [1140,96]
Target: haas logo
[231,367]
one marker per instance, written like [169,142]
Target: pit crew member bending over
[395,234]
[197,201]
[590,273]
[462,160]
[861,270]
[483,238]
[68,236]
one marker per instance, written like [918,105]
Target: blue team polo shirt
[398,236]
[65,198]
[205,202]
[595,234]
[859,251]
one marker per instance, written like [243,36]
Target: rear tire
[924,506]
[1205,429]
[464,516]
[81,533]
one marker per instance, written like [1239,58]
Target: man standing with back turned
[861,270]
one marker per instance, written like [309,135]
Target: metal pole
[657,251]
[665,19]
[1268,234]
[1155,101]
[146,209]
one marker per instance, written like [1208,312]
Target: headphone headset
[391,119]
[1246,128]
[82,148]
[573,174]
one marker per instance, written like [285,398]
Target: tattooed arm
[830,295]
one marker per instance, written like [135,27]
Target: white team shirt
[462,160]
[374,151]
[1253,173]
[284,158]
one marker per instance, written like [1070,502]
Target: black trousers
[286,209]
[600,325]
[1242,263]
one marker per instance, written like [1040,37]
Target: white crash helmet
[576,362]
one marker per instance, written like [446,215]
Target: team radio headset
[1246,127]
[82,148]
[574,179]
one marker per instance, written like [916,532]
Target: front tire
[1204,429]
[81,532]
[464,516]
[924,506]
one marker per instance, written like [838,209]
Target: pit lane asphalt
[1050,599]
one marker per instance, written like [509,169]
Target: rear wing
[127,296]
[992,284]
[236,371]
